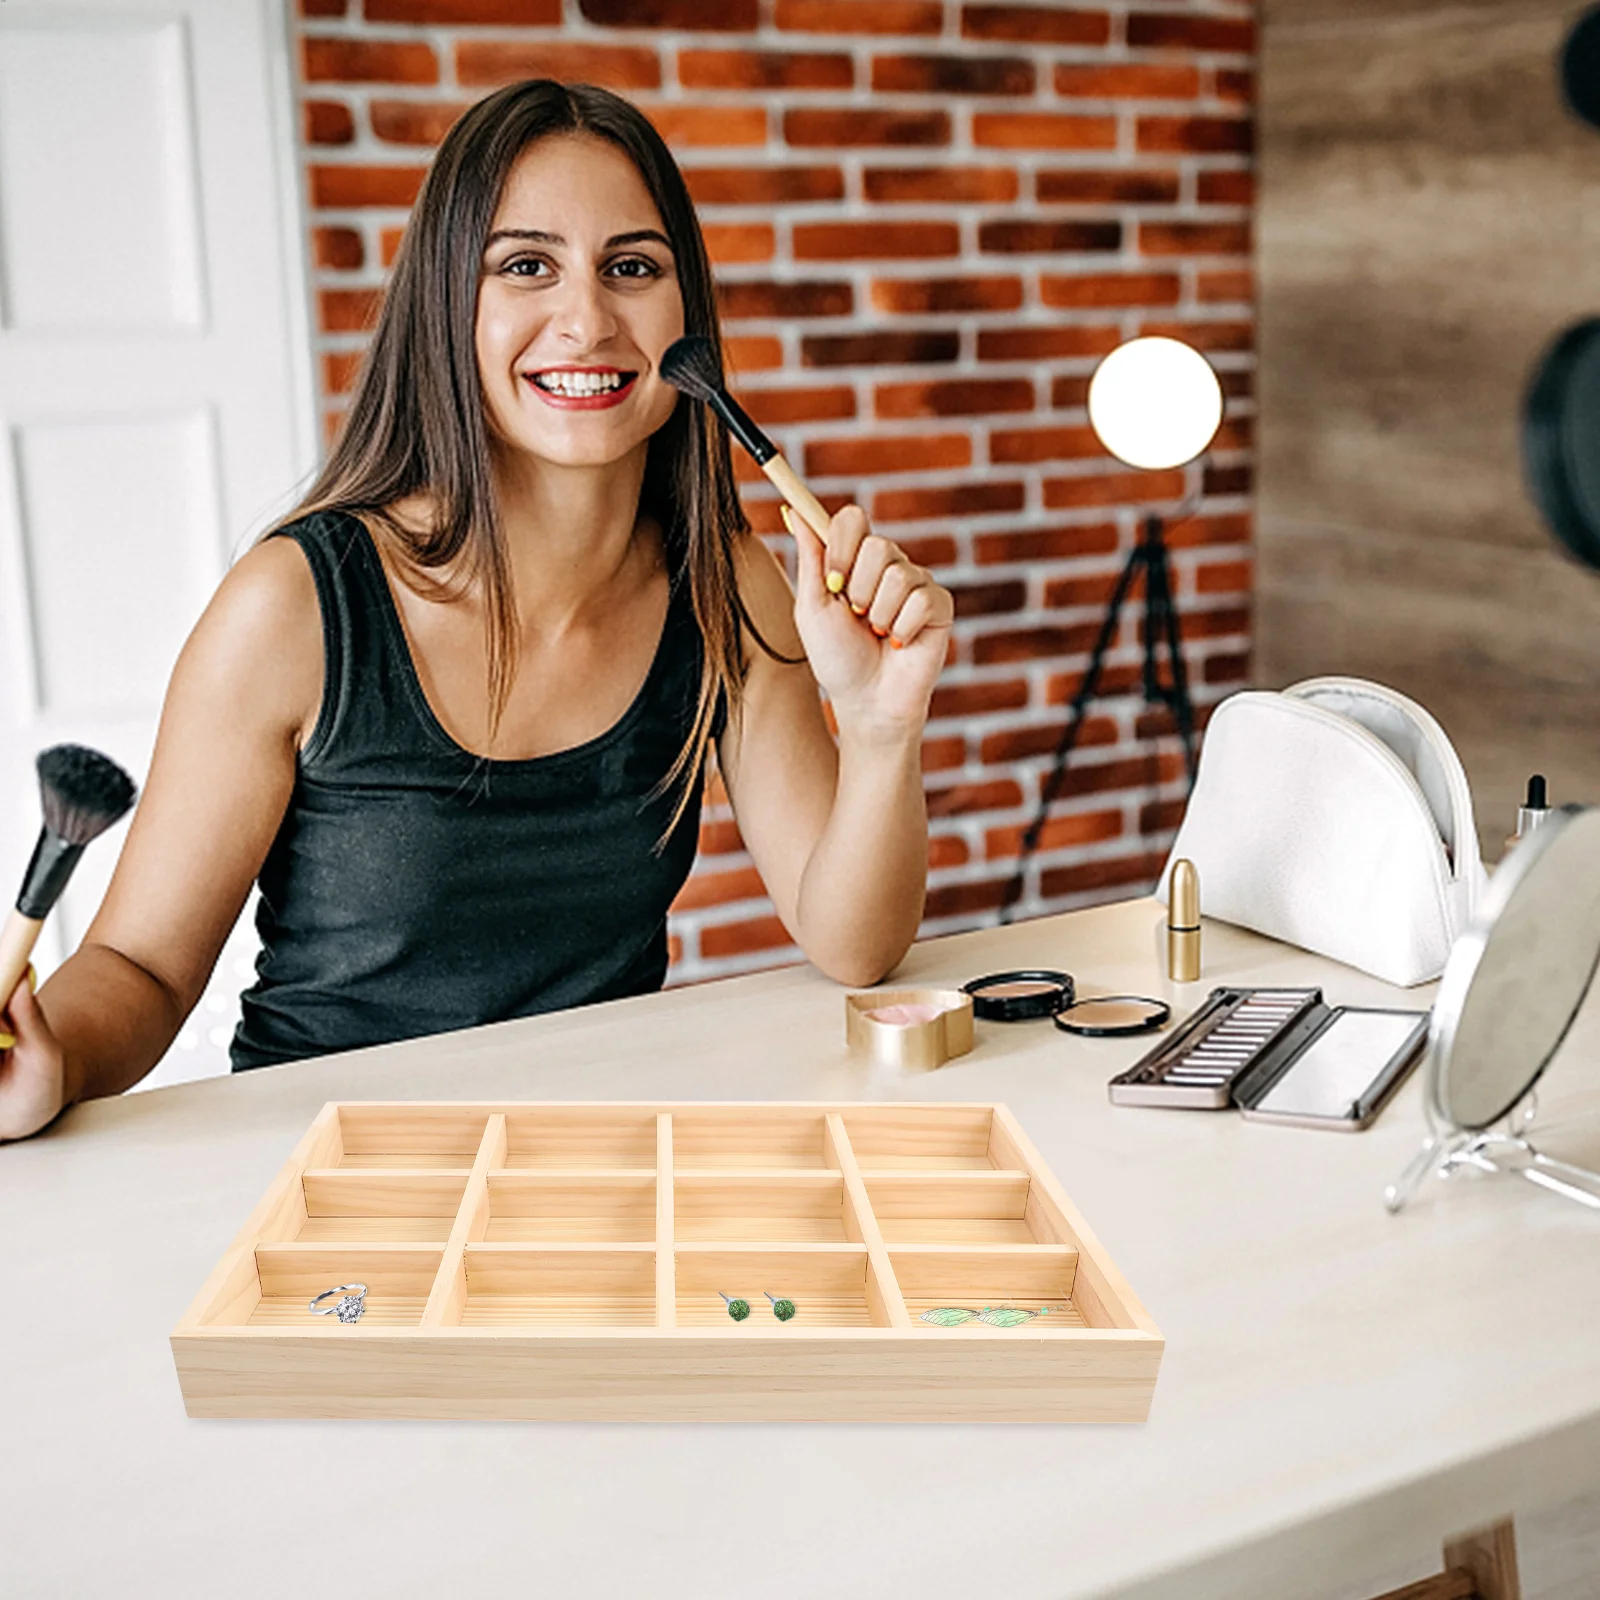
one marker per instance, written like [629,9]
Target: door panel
[61,176]
[156,406]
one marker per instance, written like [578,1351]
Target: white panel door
[156,404]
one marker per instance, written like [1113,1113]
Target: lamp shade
[1155,402]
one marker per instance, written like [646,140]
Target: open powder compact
[1113,1016]
[909,1028]
[1020,996]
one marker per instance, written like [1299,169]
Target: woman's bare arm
[243,695]
[840,834]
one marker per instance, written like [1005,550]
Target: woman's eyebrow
[539,236]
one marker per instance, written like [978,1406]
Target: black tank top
[414,887]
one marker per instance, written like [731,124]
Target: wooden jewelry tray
[567,1261]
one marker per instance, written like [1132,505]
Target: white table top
[1341,1388]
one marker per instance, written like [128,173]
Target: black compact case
[1279,1055]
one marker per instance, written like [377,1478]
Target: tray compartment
[553,1288]
[717,1136]
[398,1278]
[902,1138]
[1028,1276]
[828,1284]
[549,1207]
[952,1208]
[734,1207]
[368,1205]
[582,1137]
[410,1136]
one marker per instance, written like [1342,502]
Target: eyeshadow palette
[1231,1034]
[1280,1055]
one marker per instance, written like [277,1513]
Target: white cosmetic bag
[1335,816]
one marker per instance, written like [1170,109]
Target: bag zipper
[1396,765]
[1463,827]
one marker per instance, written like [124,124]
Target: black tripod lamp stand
[1153,403]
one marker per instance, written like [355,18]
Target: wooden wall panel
[1427,226]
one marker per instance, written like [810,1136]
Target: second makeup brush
[82,793]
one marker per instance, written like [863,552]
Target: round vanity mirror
[1511,989]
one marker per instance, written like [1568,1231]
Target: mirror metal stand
[1504,1149]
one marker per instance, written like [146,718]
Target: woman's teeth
[578,383]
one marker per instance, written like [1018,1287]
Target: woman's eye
[526,267]
[633,267]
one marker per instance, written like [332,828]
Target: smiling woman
[454,713]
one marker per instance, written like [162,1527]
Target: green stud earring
[737,1309]
[781,1309]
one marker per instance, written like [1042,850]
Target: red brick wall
[930,220]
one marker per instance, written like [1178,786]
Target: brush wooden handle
[789,485]
[17,939]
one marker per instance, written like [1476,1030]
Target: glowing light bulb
[1155,403]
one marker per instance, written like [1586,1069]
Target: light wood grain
[293,1311]
[229,1295]
[884,1298]
[802,1207]
[384,1135]
[553,1204]
[952,1208]
[18,935]
[666,1292]
[1102,1294]
[742,1200]
[448,1296]
[747,1136]
[582,1136]
[699,1375]
[393,1230]
[896,1138]
[308,1269]
[792,487]
[376,1192]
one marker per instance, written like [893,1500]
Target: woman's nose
[583,319]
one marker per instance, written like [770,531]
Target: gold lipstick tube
[1183,923]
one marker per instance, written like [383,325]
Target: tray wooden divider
[883,1291]
[568,1261]
[448,1298]
[666,1227]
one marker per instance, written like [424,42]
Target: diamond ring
[348,1308]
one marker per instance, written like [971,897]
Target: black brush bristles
[691,365]
[82,791]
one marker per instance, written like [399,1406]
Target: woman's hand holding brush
[32,1066]
[877,653]
[874,624]
[82,793]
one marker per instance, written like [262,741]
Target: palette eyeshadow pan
[1200,1065]
[576,1261]
[1280,1055]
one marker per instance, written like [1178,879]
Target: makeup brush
[83,793]
[691,364]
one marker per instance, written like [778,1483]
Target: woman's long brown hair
[417,420]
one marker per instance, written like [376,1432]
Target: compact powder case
[1021,996]
[915,1029]
[1113,1016]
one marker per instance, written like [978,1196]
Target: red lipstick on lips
[572,399]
